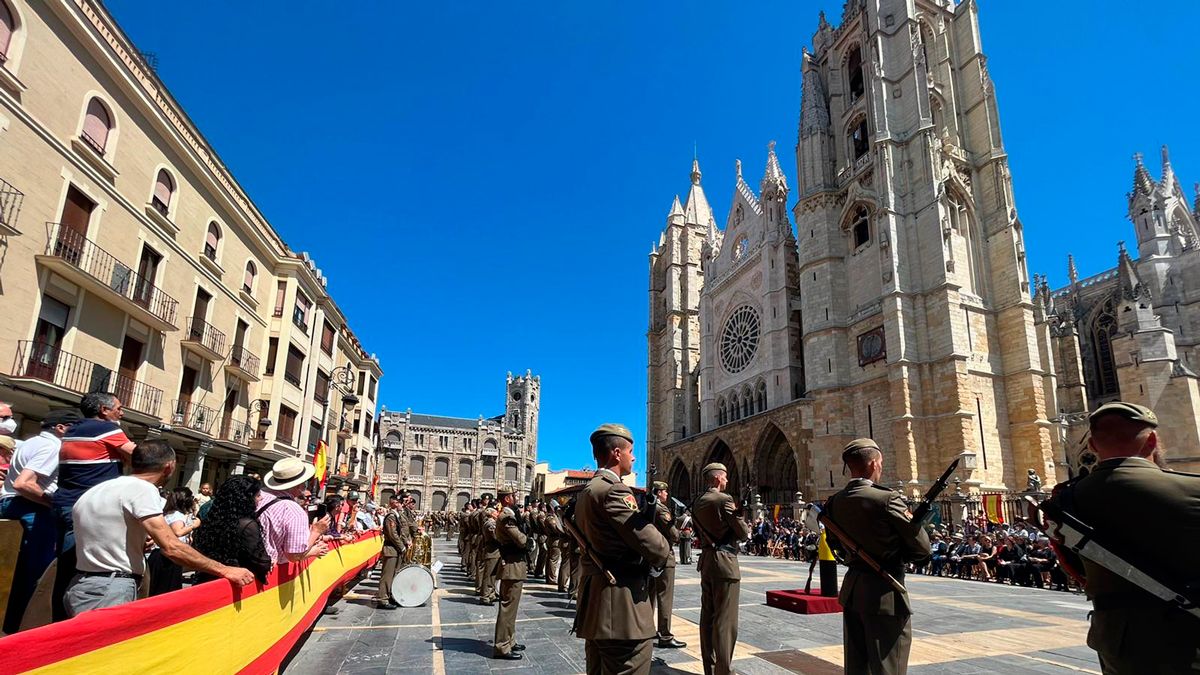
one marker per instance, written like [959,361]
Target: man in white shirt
[25,496]
[112,520]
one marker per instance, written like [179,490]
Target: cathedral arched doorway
[679,483]
[778,475]
[721,453]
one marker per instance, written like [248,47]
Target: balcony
[10,208]
[391,444]
[80,260]
[192,416]
[204,340]
[242,364]
[46,364]
[235,431]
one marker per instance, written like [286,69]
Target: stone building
[134,262]
[1131,332]
[896,306]
[447,461]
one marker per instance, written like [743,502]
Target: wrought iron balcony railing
[192,416]
[242,358]
[48,363]
[203,332]
[10,205]
[236,430]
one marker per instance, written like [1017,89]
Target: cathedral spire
[696,171]
[676,209]
[1130,283]
[1168,185]
[1142,182]
[1072,273]
[697,211]
[814,107]
[773,178]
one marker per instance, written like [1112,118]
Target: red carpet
[803,603]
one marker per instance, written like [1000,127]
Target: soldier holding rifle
[874,529]
[721,526]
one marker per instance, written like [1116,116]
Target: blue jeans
[38,537]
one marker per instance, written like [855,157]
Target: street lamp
[261,406]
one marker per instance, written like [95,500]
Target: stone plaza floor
[959,627]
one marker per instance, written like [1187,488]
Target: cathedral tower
[523,402]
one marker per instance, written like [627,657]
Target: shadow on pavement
[465,645]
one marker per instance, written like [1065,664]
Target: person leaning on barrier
[721,528]
[513,570]
[876,617]
[620,548]
[664,584]
[1151,518]
[393,548]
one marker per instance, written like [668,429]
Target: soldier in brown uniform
[513,570]
[393,548]
[568,563]
[477,522]
[539,526]
[554,534]
[664,585]
[721,527]
[876,618]
[467,549]
[616,619]
[490,558]
[1150,518]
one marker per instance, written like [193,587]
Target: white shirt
[109,535]
[38,454]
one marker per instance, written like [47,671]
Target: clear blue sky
[482,181]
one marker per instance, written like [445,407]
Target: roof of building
[453,422]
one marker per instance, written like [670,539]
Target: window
[321,393]
[416,467]
[443,442]
[7,24]
[510,472]
[464,469]
[280,292]
[860,227]
[272,355]
[854,74]
[327,336]
[362,382]
[439,501]
[391,463]
[489,469]
[164,188]
[368,428]
[300,312]
[314,437]
[468,444]
[374,387]
[294,368]
[859,144]
[419,439]
[512,447]
[441,467]
[211,241]
[721,411]
[97,125]
[529,474]
[248,279]
[287,425]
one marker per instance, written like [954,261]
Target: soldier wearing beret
[876,618]
[554,534]
[513,570]
[490,555]
[664,584]
[616,618]
[721,527]
[1150,518]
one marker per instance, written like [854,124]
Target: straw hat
[288,473]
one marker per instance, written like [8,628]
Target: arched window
[439,501]
[737,408]
[859,143]
[248,280]
[460,500]
[761,397]
[489,469]
[385,495]
[721,411]
[416,495]
[1104,329]
[97,123]
[465,467]
[529,473]
[747,404]
[7,26]
[510,472]
[441,467]
[416,467]
[854,74]
[860,226]
[391,462]
[164,189]
[211,241]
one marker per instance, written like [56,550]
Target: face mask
[8,427]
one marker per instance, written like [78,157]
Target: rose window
[739,339]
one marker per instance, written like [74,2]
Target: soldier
[664,584]
[490,558]
[567,565]
[876,618]
[477,529]
[409,527]
[616,618]
[467,538]
[721,527]
[1151,518]
[513,569]
[554,534]
[539,526]
[685,538]
[393,548]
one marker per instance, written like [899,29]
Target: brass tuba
[421,551]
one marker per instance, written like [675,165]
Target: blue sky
[482,181]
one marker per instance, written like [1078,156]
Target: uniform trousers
[618,657]
[539,557]
[384,594]
[506,618]
[553,561]
[663,600]
[491,567]
[564,572]
[874,644]
[718,623]
[685,550]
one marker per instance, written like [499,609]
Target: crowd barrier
[209,628]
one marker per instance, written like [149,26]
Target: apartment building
[132,261]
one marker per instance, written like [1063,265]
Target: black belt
[727,548]
[113,575]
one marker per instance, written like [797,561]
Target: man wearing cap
[287,534]
[554,534]
[490,556]
[664,584]
[616,620]
[1151,518]
[876,618]
[513,569]
[393,548]
[465,550]
[721,527]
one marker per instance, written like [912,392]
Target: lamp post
[342,379]
[261,406]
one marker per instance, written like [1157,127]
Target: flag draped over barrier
[212,627]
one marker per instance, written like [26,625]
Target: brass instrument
[421,551]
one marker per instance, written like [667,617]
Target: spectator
[204,497]
[333,505]
[165,574]
[231,533]
[26,497]
[365,520]
[114,519]
[287,533]
[93,451]
[8,427]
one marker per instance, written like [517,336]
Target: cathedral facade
[893,303]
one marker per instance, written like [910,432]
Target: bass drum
[412,586]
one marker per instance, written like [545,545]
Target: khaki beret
[612,430]
[658,485]
[715,466]
[859,444]
[1130,411]
[506,490]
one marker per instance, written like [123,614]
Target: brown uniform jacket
[665,523]
[393,543]
[720,531]
[627,544]
[491,544]
[512,547]
[879,522]
[409,529]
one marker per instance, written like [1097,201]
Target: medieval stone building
[897,305]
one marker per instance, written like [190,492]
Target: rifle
[854,548]
[925,509]
[569,524]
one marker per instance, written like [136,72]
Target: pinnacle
[676,208]
[1142,182]
[696,171]
[773,174]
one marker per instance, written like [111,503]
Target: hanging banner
[993,507]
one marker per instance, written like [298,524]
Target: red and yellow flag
[321,462]
[374,484]
[993,507]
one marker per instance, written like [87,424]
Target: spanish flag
[993,507]
[321,462]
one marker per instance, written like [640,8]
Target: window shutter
[164,187]
[248,281]
[97,123]
[214,236]
[6,28]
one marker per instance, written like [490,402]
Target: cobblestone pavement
[960,627]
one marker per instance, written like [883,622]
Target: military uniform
[720,575]
[616,620]
[409,529]
[554,534]
[489,558]
[876,618]
[468,555]
[664,584]
[513,570]
[539,527]
[1151,518]
[393,548]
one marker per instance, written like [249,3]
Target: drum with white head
[412,586]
